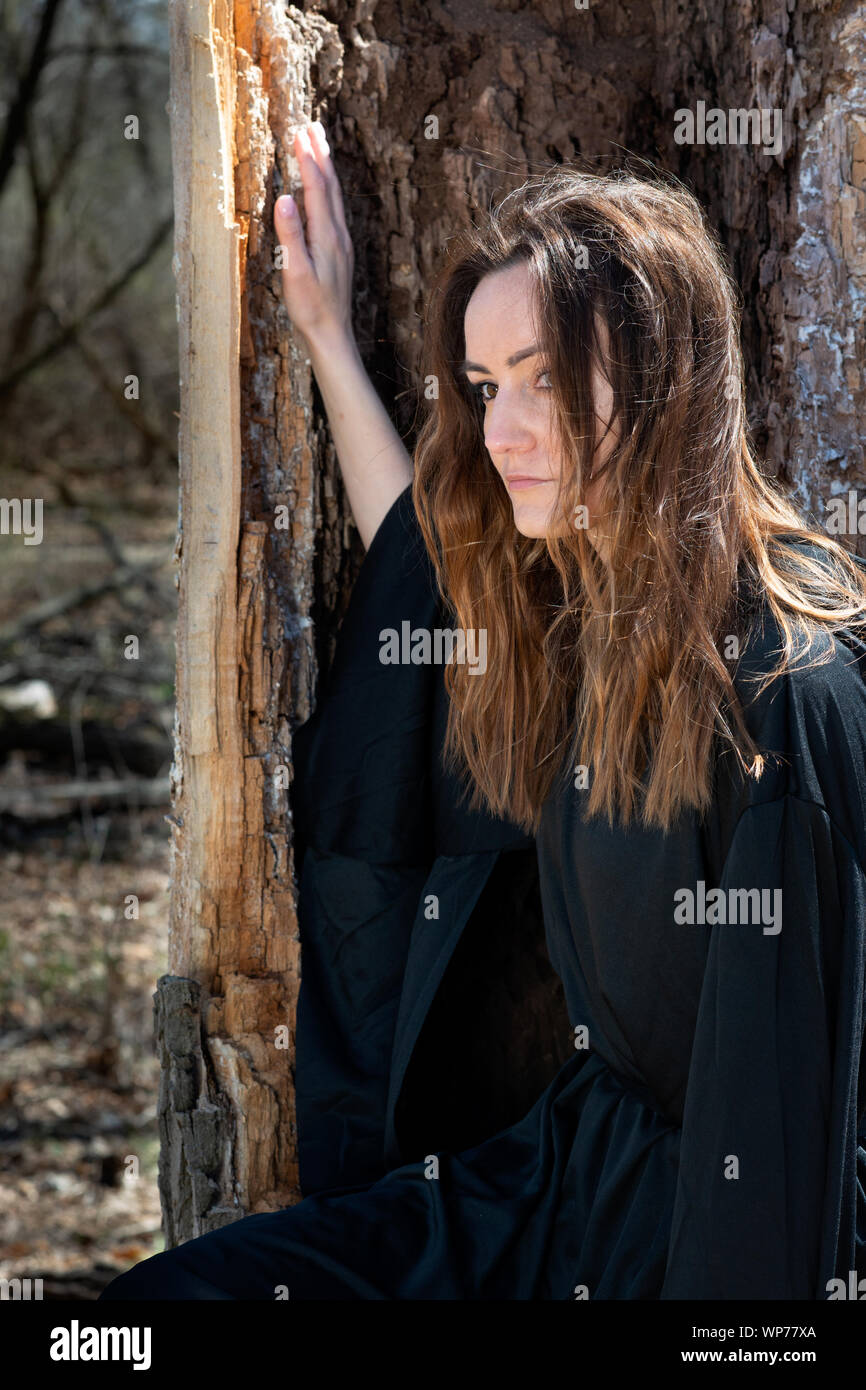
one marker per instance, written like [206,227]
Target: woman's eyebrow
[512,361]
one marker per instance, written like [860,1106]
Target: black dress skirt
[701,1133]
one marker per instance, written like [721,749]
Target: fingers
[322,230]
[323,200]
[290,234]
[322,153]
[316,267]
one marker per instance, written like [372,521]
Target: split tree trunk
[262,528]
[511,92]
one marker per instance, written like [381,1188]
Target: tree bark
[513,89]
[262,527]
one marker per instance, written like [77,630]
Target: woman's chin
[532,522]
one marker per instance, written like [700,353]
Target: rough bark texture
[793,223]
[513,88]
[262,528]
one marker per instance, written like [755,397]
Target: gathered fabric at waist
[578,1195]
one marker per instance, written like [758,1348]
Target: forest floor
[78,1134]
[84,875]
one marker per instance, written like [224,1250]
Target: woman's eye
[479,387]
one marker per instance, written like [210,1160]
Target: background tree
[430,111]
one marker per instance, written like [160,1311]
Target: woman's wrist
[331,348]
[374,462]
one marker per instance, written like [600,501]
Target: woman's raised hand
[317,292]
[316,270]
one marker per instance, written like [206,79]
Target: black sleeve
[767,1191]
[362,803]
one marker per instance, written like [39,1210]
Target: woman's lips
[520,481]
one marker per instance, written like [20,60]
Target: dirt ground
[78,1142]
[79,958]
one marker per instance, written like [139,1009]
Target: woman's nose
[504,426]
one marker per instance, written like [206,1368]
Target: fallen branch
[63,603]
[32,802]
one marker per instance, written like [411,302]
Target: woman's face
[505,364]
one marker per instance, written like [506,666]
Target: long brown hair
[627,667]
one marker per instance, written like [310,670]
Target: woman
[672,705]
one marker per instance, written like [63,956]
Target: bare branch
[16,121]
[74,326]
[114,390]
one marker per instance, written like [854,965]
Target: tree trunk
[262,527]
[267,552]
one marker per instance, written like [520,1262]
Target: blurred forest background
[88,387]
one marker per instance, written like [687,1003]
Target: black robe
[691,1123]
[682,1117]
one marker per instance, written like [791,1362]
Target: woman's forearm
[374,462]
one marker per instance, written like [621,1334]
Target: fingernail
[286,205]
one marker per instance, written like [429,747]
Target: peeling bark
[261,516]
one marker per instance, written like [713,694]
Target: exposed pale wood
[249,446]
